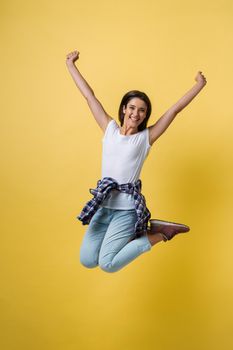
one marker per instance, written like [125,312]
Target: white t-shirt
[122,159]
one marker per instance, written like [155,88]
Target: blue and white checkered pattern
[103,188]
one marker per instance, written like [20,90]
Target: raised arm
[156,130]
[96,108]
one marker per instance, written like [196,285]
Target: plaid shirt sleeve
[103,188]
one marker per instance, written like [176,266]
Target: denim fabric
[106,242]
[100,193]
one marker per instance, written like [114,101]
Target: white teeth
[134,118]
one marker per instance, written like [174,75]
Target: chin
[136,122]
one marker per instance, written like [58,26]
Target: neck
[124,130]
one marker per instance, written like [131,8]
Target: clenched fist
[200,78]
[72,57]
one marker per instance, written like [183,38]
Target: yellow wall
[177,296]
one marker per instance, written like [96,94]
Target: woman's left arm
[156,130]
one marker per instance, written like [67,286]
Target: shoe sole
[169,223]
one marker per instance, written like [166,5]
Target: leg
[93,238]
[117,250]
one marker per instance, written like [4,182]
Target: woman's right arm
[96,108]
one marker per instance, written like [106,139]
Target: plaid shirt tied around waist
[103,188]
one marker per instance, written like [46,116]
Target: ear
[123,109]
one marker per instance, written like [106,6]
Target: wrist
[201,84]
[70,64]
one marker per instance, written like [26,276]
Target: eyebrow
[131,105]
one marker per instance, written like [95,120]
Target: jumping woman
[119,224]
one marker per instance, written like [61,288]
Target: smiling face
[134,113]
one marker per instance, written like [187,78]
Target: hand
[200,78]
[72,57]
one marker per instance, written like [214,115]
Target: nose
[135,113]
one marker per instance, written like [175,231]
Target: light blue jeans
[106,242]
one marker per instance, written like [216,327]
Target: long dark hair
[125,100]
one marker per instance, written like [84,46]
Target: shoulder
[145,137]
[111,124]
[150,135]
[111,129]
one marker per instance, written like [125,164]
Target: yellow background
[177,296]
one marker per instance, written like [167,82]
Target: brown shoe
[167,229]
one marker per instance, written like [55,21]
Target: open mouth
[134,119]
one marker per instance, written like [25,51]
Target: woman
[117,215]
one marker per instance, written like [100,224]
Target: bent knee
[88,261]
[108,267]
[88,264]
